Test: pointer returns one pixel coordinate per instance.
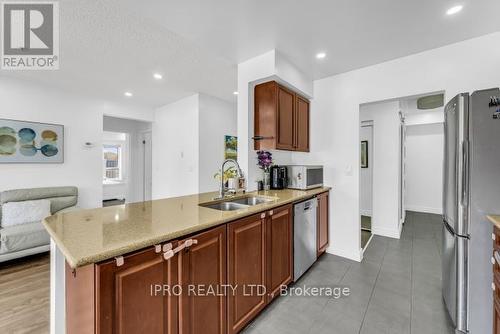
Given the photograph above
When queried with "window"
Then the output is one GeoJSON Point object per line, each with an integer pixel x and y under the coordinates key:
{"type": "Point", "coordinates": [112, 161]}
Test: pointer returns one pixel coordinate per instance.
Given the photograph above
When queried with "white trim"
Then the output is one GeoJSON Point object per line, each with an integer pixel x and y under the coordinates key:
{"type": "Point", "coordinates": [387, 232]}
{"type": "Point", "coordinates": [57, 290]}
{"type": "Point", "coordinates": [418, 208]}
{"type": "Point", "coordinates": [366, 246]}
{"type": "Point", "coordinates": [355, 255]}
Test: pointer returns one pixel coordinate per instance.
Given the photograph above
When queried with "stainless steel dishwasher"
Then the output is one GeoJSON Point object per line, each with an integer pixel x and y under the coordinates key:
{"type": "Point", "coordinates": [304, 236]}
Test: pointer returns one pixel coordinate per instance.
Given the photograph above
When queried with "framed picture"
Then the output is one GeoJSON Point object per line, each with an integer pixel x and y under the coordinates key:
{"type": "Point", "coordinates": [31, 142]}
{"type": "Point", "coordinates": [230, 147]}
{"type": "Point", "coordinates": [364, 154]}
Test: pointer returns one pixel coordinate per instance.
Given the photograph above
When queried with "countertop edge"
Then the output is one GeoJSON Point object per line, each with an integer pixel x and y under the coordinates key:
{"type": "Point", "coordinates": [495, 220]}
{"type": "Point", "coordinates": [95, 258]}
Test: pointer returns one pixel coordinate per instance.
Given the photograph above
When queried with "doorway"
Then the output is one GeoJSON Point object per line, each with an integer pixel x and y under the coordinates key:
{"type": "Point", "coordinates": [366, 181]}
{"type": "Point", "coordinates": [127, 161]}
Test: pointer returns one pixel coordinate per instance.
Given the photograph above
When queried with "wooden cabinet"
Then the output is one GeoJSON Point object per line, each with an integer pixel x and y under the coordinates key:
{"type": "Point", "coordinates": [323, 221]}
{"type": "Point", "coordinates": [281, 118]}
{"type": "Point", "coordinates": [202, 275]}
{"type": "Point", "coordinates": [246, 256]}
{"type": "Point", "coordinates": [253, 255]}
{"type": "Point", "coordinates": [124, 300]}
{"type": "Point", "coordinates": [496, 318]}
{"type": "Point", "coordinates": [302, 124]}
{"type": "Point", "coordinates": [279, 239]}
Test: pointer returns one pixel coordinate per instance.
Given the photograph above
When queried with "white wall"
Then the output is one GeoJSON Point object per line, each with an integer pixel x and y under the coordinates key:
{"type": "Point", "coordinates": [175, 149]}
{"type": "Point", "coordinates": [386, 147]}
{"type": "Point", "coordinates": [188, 144]}
{"type": "Point", "coordinates": [83, 121]}
{"type": "Point", "coordinates": [217, 119]}
{"type": "Point", "coordinates": [134, 168]}
{"type": "Point", "coordinates": [366, 174]}
{"type": "Point", "coordinates": [424, 168]}
{"type": "Point", "coordinates": [456, 68]}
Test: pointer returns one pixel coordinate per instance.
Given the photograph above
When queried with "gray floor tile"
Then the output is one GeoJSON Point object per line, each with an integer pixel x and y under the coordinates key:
{"type": "Point", "coordinates": [395, 290]}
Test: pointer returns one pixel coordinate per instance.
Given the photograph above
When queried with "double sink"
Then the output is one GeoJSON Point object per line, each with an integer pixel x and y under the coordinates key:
{"type": "Point", "coordinates": [237, 203]}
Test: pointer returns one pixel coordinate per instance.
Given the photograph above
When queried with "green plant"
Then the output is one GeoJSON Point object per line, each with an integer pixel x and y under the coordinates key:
{"type": "Point", "coordinates": [228, 174]}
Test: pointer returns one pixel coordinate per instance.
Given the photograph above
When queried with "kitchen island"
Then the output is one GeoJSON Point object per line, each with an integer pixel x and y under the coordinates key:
{"type": "Point", "coordinates": [166, 242]}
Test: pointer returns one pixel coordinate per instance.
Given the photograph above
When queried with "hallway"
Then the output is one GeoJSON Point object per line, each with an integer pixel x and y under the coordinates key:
{"type": "Point", "coordinates": [396, 289]}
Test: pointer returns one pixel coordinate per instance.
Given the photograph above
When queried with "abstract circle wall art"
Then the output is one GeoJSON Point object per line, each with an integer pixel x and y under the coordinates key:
{"type": "Point", "coordinates": [31, 142]}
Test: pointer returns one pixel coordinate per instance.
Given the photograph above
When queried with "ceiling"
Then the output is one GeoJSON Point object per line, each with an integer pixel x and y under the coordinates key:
{"type": "Point", "coordinates": [112, 46]}
{"type": "Point", "coordinates": [353, 33]}
{"type": "Point", "coordinates": [107, 50]}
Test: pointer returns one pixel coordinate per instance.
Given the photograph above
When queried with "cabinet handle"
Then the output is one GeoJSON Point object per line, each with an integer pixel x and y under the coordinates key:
{"type": "Point", "coordinates": [171, 252]}
{"type": "Point", "coordinates": [271, 212]}
{"type": "Point", "coordinates": [262, 215]}
{"type": "Point", "coordinates": [493, 236]}
{"type": "Point", "coordinates": [496, 258]}
{"type": "Point", "coordinates": [492, 260]}
{"type": "Point", "coordinates": [493, 287]}
{"type": "Point", "coordinates": [119, 261]}
{"type": "Point", "coordinates": [261, 138]}
{"type": "Point", "coordinates": [168, 254]}
{"type": "Point", "coordinates": [157, 248]}
{"type": "Point", "coordinates": [167, 247]}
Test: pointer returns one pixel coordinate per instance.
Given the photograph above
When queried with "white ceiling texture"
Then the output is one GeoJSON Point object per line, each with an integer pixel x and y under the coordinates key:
{"type": "Point", "coordinates": [111, 46]}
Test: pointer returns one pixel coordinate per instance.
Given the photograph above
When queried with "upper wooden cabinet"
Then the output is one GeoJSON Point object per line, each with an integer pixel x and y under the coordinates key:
{"type": "Point", "coordinates": [281, 119]}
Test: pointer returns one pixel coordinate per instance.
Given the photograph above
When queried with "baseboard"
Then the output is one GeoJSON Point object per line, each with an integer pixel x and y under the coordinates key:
{"type": "Point", "coordinates": [366, 213]}
{"type": "Point", "coordinates": [354, 255]}
{"type": "Point", "coordinates": [387, 232]}
{"type": "Point", "coordinates": [417, 208]}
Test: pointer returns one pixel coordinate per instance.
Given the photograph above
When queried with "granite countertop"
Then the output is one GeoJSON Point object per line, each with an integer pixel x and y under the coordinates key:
{"type": "Point", "coordinates": [94, 235]}
{"type": "Point", "coordinates": [495, 219]}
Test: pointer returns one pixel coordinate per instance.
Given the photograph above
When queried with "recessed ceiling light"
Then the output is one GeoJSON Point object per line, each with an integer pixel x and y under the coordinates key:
{"type": "Point", "coordinates": [128, 94]}
{"type": "Point", "coordinates": [157, 76]}
{"type": "Point", "coordinates": [455, 9]}
{"type": "Point", "coordinates": [321, 55]}
{"type": "Point", "coordinates": [235, 93]}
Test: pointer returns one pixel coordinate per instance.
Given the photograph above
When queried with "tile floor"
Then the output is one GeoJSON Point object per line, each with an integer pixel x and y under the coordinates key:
{"type": "Point", "coordinates": [395, 290]}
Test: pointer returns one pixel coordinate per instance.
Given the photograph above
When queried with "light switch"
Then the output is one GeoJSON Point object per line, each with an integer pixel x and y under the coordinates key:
{"type": "Point", "coordinates": [348, 170]}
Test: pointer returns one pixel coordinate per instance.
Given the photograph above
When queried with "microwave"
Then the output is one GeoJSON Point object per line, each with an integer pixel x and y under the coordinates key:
{"type": "Point", "coordinates": [305, 177]}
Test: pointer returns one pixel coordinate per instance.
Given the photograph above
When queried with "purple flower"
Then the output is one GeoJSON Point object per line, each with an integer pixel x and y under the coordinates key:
{"type": "Point", "coordinates": [264, 159]}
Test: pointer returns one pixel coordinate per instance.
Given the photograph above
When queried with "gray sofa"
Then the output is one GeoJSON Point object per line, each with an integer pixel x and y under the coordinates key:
{"type": "Point", "coordinates": [27, 239]}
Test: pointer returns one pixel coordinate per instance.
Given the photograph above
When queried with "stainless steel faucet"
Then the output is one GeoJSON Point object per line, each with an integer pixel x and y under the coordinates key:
{"type": "Point", "coordinates": [222, 190]}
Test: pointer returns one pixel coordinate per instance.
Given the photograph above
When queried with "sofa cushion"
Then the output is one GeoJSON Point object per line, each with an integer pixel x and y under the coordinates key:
{"type": "Point", "coordinates": [25, 212]}
{"type": "Point", "coordinates": [16, 238]}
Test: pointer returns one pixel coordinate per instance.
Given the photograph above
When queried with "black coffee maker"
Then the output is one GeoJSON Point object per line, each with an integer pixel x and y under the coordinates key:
{"type": "Point", "coordinates": [279, 177]}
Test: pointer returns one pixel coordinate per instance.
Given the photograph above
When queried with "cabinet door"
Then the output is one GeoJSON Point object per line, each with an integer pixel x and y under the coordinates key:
{"type": "Point", "coordinates": [246, 270]}
{"type": "Point", "coordinates": [323, 217]}
{"type": "Point", "coordinates": [496, 315]}
{"type": "Point", "coordinates": [286, 120]}
{"type": "Point", "coordinates": [279, 249]}
{"type": "Point", "coordinates": [302, 125]}
{"type": "Point", "coordinates": [202, 276]}
{"type": "Point", "coordinates": [265, 116]}
{"type": "Point", "coordinates": [125, 303]}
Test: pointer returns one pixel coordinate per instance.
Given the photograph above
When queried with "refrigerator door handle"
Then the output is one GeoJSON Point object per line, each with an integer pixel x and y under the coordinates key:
{"type": "Point", "coordinates": [465, 173]}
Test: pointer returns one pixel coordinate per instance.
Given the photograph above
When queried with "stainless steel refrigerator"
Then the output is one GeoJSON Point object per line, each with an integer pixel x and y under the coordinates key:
{"type": "Point", "coordinates": [471, 191]}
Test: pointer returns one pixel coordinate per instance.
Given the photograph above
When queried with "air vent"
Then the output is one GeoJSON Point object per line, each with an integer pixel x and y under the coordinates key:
{"type": "Point", "coordinates": [430, 102]}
